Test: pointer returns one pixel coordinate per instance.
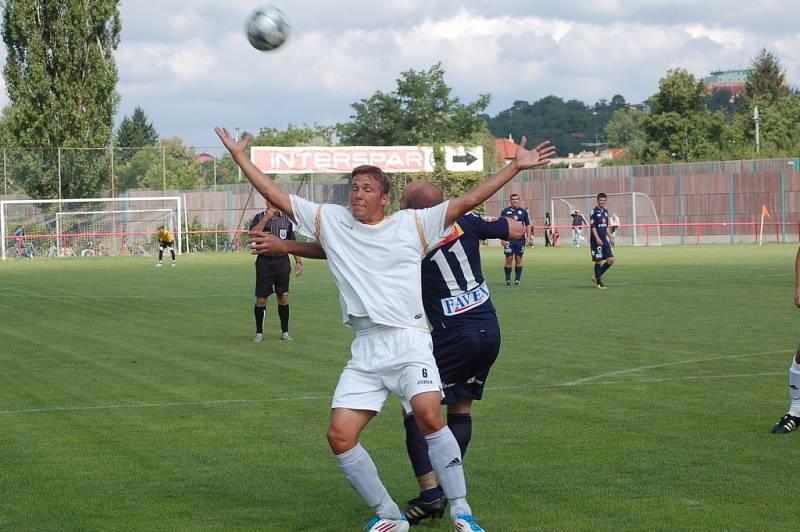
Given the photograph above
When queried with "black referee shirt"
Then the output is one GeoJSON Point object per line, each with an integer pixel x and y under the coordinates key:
{"type": "Point", "coordinates": [280, 226]}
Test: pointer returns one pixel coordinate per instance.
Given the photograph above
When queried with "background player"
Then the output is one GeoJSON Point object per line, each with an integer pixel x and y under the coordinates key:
{"type": "Point", "coordinates": [273, 271]}
{"type": "Point", "coordinates": [598, 240]}
{"type": "Point", "coordinates": [466, 336]}
{"type": "Point", "coordinates": [165, 241]}
{"type": "Point", "coordinates": [516, 248]}
{"type": "Point", "coordinates": [791, 420]}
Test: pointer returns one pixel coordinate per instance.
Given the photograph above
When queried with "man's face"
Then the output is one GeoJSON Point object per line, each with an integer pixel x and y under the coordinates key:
{"type": "Point", "coordinates": [366, 200]}
{"type": "Point", "coordinates": [601, 202]}
{"type": "Point", "coordinates": [515, 201]}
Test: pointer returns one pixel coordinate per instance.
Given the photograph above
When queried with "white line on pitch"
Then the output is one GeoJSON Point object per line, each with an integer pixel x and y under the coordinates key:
{"type": "Point", "coordinates": [667, 364]}
{"type": "Point", "coordinates": [159, 405]}
{"type": "Point", "coordinates": [58, 409]}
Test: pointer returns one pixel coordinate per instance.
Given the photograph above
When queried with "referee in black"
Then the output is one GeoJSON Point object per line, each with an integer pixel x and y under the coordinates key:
{"type": "Point", "coordinates": [273, 270]}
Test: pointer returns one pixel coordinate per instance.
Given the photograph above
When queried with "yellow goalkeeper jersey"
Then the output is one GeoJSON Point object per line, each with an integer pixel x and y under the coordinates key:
{"type": "Point", "coordinates": [164, 235]}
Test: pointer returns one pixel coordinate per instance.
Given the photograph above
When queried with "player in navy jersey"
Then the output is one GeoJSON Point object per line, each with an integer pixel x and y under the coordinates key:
{"type": "Point", "coordinates": [465, 331]}
{"type": "Point", "coordinates": [516, 248]}
{"type": "Point", "coordinates": [598, 240]}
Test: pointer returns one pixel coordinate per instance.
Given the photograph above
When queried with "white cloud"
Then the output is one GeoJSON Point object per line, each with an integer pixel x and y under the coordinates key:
{"type": "Point", "coordinates": [189, 66]}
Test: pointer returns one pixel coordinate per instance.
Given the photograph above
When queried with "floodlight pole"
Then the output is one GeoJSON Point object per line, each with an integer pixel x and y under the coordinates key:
{"type": "Point", "coordinates": [238, 170]}
{"type": "Point", "coordinates": [757, 120]}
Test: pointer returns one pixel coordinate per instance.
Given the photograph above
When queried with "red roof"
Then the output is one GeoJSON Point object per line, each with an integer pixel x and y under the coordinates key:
{"type": "Point", "coordinates": [505, 148]}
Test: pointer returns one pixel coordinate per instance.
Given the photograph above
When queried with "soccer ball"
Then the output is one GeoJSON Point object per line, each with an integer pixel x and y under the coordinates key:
{"type": "Point", "coordinates": [267, 28]}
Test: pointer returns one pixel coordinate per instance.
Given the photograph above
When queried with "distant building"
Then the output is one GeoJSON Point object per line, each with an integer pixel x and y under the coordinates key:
{"type": "Point", "coordinates": [732, 80]}
{"type": "Point", "coordinates": [588, 159]}
{"type": "Point", "coordinates": [204, 158]}
{"type": "Point", "coordinates": [505, 148]}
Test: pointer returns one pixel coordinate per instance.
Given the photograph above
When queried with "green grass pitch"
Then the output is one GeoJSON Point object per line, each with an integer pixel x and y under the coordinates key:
{"type": "Point", "coordinates": [133, 398]}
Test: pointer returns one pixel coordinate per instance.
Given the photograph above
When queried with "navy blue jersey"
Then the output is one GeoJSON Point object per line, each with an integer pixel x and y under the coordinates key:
{"type": "Point", "coordinates": [599, 220]}
{"type": "Point", "coordinates": [454, 292]}
{"type": "Point", "coordinates": [519, 214]}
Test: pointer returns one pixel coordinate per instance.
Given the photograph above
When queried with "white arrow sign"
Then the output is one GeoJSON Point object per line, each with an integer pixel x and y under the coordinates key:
{"type": "Point", "coordinates": [463, 158]}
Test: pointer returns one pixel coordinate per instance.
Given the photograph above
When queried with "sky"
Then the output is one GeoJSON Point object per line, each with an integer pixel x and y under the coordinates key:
{"type": "Point", "coordinates": [188, 64]}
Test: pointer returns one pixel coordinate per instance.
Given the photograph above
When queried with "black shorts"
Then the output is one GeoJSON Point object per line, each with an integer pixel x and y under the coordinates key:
{"type": "Point", "coordinates": [163, 244]}
{"type": "Point", "coordinates": [272, 276]}
{"type": "Point", "coordinates": [514, 247]}
{"type": "Point", "coordinates": [464, 357]}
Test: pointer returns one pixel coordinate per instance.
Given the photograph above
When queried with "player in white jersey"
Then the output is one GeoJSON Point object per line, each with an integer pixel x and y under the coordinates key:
{"type": "Point", "coordinates": [381, 300]}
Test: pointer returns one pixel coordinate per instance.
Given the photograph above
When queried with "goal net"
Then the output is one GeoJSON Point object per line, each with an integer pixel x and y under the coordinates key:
{"type": "Point", "coordinates": [86, 227]}
{"type": "Point", "coordinates": [636, 211]}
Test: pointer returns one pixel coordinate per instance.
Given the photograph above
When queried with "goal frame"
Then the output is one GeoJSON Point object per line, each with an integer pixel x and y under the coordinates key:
{"type": "Point", "coordinates": [6, 203]}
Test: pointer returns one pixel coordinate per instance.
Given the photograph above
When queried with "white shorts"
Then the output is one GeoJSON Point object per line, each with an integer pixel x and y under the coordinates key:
{"type": "Point", "coordinates": [387, 360]}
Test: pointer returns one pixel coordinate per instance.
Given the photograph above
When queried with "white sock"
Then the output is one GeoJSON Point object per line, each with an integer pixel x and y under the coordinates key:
{"type": "Point", "coordinates": [445, 458]}
{"type": "Point", "coordinates": [360, 470]}
{"type": "Point", "coordinates": [794, 388]}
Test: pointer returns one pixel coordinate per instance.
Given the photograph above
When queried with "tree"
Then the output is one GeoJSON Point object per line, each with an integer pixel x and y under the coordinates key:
{"type": "Point", "coordinates": [766, 80]}
{"type": "Point", "coordinates": [306, 135]}
{"type": "Point", "coordinates": [61, 76]}
{"type": "Point", "coordinates": [147, 167]}
{"type": "Point", "coordinates": [134, 132]}
{"type": "Point", "coordinates": [419, 111]}
{"type": "Point", "coordinates": [681, 126]}
{"type": "Point", "coordinates": [626, 129]}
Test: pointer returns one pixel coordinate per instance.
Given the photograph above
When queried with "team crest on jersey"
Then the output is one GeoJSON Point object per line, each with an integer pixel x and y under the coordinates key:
{"type": "Point", "coordinates": [283, 233]}
{"type": "Point", "coordinates": [452, 306]}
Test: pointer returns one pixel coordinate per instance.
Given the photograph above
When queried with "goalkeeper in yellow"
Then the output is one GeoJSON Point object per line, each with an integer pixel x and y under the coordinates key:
{"type": "Point", "coordinates": [165, 240]}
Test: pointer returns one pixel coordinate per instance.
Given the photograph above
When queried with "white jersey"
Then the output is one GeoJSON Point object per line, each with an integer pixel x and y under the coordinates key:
{"type": "Point", "coordinates": [376, 267]}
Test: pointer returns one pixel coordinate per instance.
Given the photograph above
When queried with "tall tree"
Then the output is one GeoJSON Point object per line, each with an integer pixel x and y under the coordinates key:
{"type": "Point", "coordinates": [420, 110]}
{"type": "Point", "coordinates": [766, 81]}
{"type": "Point", "coordinates": [61, 77]}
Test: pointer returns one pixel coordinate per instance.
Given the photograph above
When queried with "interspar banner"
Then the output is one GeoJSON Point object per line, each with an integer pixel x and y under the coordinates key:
{"type": "Point", "coordinates": [341, 160]}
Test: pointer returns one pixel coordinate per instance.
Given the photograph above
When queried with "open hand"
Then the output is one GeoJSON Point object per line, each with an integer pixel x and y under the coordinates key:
{"type": "Point", "coordinates": [538, 156]}
{"type": "Point", "coordinates": [234, 146]}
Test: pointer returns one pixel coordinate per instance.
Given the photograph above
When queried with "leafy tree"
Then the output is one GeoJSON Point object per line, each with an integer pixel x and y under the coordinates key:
{"type": "Point", "coordinates": [681, 126]}
{"type": "Point", "coordinates": [60, 76]}
{"type": "Point", "coordinates": [766, 81]}
{"type": "Point", "coordinates": [419, 111]}
{"type": "Point", "coordinates": [306, 135]}
{"type": "Point", "coordinates": [147, 166]}
{"type": "Point", "coordinates": [626, 129]}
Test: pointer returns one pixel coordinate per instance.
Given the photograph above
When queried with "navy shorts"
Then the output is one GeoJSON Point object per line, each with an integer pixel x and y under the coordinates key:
{"type": "Point", "coordinates": [464, 357]}
{"type": "Point", "coordinates": [601, 252]}
{"type": "Point", "coordinates": [163, 244]}
{"type": "Point", "coordinates": [514, 247]}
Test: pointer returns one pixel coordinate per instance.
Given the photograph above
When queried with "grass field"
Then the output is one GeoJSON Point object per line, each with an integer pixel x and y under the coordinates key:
{"type": "Point", "coordinates": [133, 398]}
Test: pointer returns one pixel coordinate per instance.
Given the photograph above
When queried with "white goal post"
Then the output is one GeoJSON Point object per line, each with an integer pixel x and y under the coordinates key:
{"type": "Point", "coordinates": [103, 226]}
{"type": "Point", "coordinates": [639, 223]}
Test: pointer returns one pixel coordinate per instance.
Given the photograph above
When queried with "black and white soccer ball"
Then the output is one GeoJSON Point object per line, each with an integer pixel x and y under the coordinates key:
{"type": "Point", "coordinates": [267, 28]}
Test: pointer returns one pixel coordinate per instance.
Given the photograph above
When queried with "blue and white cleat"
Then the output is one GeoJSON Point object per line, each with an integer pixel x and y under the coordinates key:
{"type": "Point", "coordinates": [381, 524]}
{"type": "Point", "coordinates": [467, 523]}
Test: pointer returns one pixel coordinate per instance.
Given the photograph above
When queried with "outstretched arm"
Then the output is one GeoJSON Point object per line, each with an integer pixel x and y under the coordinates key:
{"type": "Point", "coordinates": [266, 186]}
{"type": "Point", "coordinates": [264, 243]}
{"type": "Point", "coordinates": [523, 160]}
